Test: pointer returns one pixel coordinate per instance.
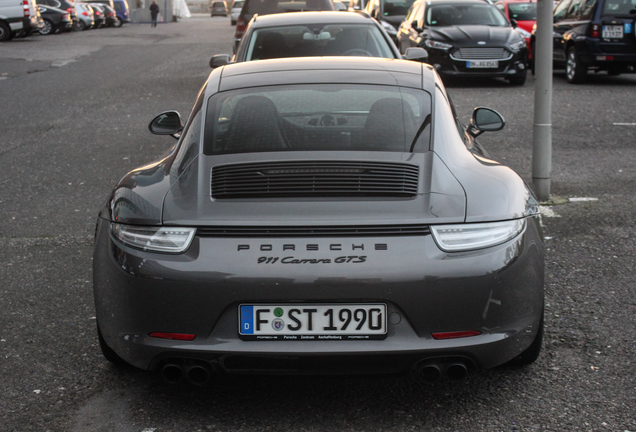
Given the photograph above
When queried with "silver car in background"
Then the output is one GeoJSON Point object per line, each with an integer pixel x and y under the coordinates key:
{"type": "Point", "coordinates": [84, 15]}
{"type": "Point", "coordinates": [236, 10]}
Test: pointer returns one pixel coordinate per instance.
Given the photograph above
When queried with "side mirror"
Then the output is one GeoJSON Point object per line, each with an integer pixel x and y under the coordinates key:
{"type": "Point", "coordinates": [340, 7]}
{"type": "Point", "coordinates": [514, 23]}
{"type": "Point", "coordinates": [219, 60]}
{"type": "Point", "coordinates": [167, 123]}
{"type": "Point", "coordinates": [485, 120]}
{"type": "Point", "coordinates": [415, 27]}
{"type": "Point", "coordinates": [416, 54]}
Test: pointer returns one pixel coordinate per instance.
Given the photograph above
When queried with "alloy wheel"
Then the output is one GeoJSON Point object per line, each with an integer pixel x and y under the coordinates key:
{"type": "Point", "coordinates": [47, 29]}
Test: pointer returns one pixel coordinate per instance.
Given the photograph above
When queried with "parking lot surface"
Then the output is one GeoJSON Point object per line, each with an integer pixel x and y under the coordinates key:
{"type": "Point", "coordinates": [74, 115]}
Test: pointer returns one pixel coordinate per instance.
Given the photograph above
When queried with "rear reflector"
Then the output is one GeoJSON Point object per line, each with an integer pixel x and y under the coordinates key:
{"type": "Point", "coordinates": [174, 336]}
{"type": "Point", "coordinates": [455, 335]}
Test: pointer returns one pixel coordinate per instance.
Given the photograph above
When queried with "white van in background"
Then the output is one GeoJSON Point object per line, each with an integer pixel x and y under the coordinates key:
{"type": "Point", "coordinates": [18, 17]}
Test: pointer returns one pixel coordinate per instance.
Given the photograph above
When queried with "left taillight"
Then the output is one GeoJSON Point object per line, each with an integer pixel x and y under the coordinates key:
{"type": "Point", "coordinates": [154, 239]}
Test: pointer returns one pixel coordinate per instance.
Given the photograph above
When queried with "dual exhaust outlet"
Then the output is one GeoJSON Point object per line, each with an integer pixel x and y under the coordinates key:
{"type": "Point", "coordinates": [432, 371]}
{"type": "Point", "coordinates": [198, 373]}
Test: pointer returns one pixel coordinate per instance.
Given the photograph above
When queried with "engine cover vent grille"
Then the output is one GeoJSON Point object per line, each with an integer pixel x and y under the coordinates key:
{"type": "Point", "coordinates": [315, 179]}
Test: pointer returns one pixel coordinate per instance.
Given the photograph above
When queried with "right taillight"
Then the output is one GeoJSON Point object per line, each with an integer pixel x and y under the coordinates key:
{"type": "Point", "coordinates": [240, 29]}
{"type": "Point", "coordinates": [595, 31]}
{"type": "Point", "coordinates": [27, 12]}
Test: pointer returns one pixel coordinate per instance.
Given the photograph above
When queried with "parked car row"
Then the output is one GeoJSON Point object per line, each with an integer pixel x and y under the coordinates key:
{"type": "Point", "coordinates": [57, 16]}
{"type": "Point", "coordinates": [593, 35]}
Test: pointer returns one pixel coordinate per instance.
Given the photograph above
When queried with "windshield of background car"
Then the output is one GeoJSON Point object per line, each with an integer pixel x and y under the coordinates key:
{"type": "Point", "coordinates": [396, 7]}
{"type": "Point", "coordinates": [318, 40]}
{"type": "Point", "coordinates": [474, 14]}
{"type": "Point", "coordinates": [320, 117]}
{"type": "Point", "coordinates": [523, 11]}
{"type": "Point", "coordinates": [266, 7]}
{"type": "Point", "coordinates": [619, 7]}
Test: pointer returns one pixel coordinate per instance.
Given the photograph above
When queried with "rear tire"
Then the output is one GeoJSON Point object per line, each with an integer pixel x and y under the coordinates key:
{"type": "Point", "coordinates": [575, 71]}
{"type": "Point", "coordinates": [5, 32]}
{"type": "Point", "coordinates": [118, 23]}
{"type": "Point", "coordinates": [107, 351]}
{"type": "Point", "coordinates": [47, 29]}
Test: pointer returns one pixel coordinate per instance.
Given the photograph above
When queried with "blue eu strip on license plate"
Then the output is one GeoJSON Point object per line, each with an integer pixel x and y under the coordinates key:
{"type": "Point", "coordinates": [247, 320]}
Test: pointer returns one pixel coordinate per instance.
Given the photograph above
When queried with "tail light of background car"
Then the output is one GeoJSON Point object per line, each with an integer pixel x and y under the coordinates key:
{"type": "Point", "coordinates": [595, 31]}
{"type": "Point", "coordinates": [240, 28]}
{"type": "Point", "coordinates": [27, 12]}
{"type": "Point", "coordinates": [85, 13]}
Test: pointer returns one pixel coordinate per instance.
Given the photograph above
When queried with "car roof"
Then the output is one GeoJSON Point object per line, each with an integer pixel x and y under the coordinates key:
{"type": "Point", "coordinates": [312, 70]}
{"type": "Point", "coordinates": [322, 17]}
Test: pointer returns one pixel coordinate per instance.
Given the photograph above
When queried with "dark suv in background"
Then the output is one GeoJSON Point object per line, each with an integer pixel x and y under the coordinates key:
{"type": "Point", "coordinates": [267, 7]}
{"type": "Point", "coordinates": [594, 35]}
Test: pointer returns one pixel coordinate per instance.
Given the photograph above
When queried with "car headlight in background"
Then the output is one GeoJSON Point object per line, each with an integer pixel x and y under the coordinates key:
{"type": "Point", "coordinates": [516, 46]}
{"type": "Point", "coordinates": [464, 237]}
{"type": "Point", "coordinates": [437, 45]}
{"type": "Point", "coordinates": [523, 32]}
{"type": "Point", "coordinates": [156, 239]}
{"type": "Point", "coordinates": [388, 28]}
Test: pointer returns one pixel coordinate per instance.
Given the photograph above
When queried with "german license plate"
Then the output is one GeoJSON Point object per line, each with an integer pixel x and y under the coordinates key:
{"type": "Point", "coordinates": [612, 32]}
{"type": "Point", "coordinates": [482, 64]}
{"type": "Point", "coordinates": [312, 321]}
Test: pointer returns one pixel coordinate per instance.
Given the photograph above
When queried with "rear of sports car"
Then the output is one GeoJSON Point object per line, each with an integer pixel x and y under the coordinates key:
{"type": "Point", "coordinates": [302, 238]}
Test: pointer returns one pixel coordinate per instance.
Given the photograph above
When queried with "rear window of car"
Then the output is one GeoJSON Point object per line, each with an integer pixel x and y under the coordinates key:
{"type": "Point", "coordinates": [218, 4]}
{"type": "Point", "coordinates": [523, 11]}
{"type": "Point", "coordinates": [449, 15]}
{"type": "Point", "coordinates": [619, 7]}
{"type": "Point", "coordinates": [324, 117]}
{"type": "Point", "coordinates": [397, 7]}
{"type": "Point", "coordinates": [266, 7]}
{"type": "Point", "coordinates": [318, 40]}
{"type": "Point", "coordinates": [238, 4]}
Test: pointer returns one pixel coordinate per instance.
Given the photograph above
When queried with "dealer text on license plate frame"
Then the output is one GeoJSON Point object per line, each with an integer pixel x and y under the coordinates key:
{"type": "Point", "coordinates": [482, 64]}
{"type": "Point", "coordinates": [308, 321]}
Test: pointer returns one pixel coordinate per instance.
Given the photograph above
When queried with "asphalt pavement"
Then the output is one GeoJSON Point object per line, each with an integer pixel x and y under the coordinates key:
{"type": "Point", "coordinates": [74, 110]}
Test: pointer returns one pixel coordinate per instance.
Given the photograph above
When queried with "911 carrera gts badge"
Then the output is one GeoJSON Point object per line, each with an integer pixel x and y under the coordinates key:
{"type": "Point", "coordinates": [351, 259]}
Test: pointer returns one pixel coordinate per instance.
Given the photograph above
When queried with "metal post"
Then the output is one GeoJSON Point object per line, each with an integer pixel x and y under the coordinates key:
{"type": "Point", "coordinates": [542, 132]}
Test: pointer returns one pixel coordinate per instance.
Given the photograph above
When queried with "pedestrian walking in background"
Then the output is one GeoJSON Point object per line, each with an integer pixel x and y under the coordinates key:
{"type": "Point", "coordinates": [154, 11]}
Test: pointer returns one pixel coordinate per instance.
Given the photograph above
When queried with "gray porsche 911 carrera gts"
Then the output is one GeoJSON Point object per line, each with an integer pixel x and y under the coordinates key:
{"type": "Point", "coordinates": [321, 215]}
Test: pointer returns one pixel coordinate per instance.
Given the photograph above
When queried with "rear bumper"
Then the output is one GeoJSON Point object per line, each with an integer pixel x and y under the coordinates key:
{"type": "Point", "coordinates": [498, 291]}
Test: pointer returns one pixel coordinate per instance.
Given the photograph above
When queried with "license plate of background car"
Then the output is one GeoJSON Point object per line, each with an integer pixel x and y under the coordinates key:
{"type": "Point", "coordinates": [613, 32]}
{"type": "Point", "coordinates": [312, 321]}
{"type": "Point", "coordinates": [482, 64]}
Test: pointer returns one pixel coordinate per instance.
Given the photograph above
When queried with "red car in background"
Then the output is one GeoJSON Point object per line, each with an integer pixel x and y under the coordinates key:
{"type": "Point", "coordinates": [524, 12]}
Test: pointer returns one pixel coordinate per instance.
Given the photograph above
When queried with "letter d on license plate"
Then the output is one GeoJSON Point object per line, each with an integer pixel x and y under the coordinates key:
{"type": "Point", "coordinates": [309, 321]}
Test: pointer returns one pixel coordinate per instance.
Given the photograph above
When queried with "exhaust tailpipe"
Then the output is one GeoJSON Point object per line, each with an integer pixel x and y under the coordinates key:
{"type": "Point", "coordinates": [456, 371]}
{"type": "Point", "coordinates": [428, 372]}
{"type": "Point", "coordinates": [172, 373]}
{"type": "Point", "coordinates": [198, 374]}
